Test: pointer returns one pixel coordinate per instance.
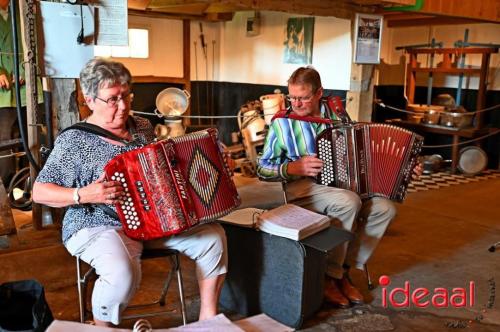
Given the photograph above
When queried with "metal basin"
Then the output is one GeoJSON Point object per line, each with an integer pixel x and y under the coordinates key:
{"type": "Point", "coordinates": [456, 119]}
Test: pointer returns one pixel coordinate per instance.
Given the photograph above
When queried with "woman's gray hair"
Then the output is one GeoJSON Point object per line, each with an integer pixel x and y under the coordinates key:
{"type": "Point", "coordinates": [100, 73]}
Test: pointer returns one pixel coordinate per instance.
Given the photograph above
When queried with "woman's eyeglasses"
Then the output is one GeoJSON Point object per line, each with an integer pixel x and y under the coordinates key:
{"type": "Point", "coordinates": [114, 100]}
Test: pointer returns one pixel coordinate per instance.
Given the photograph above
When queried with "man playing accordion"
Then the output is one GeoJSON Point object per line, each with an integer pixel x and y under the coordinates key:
{"type": "Point", "coordinates": [289, 155]}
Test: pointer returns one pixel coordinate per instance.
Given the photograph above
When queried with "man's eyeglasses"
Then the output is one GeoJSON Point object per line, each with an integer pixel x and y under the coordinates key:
{"type": "Point", "coordinates": [306, 99]}
{"type": "Point", "coordinates": [114, 100]}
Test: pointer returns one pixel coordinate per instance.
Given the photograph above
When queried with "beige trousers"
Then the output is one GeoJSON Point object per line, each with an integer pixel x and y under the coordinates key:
{"type": "Point", "coordinates": [368, 220]}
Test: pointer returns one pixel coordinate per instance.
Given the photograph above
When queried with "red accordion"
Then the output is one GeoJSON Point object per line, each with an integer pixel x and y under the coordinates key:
{"type": "Point", "coordinates": [368, 158]}
{"type": "Point", "coordinates": [173, 185]}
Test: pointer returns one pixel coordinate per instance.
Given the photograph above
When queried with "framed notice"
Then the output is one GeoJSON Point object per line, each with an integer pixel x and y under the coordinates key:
{"type": "Point", "coordinates": [367, 38]}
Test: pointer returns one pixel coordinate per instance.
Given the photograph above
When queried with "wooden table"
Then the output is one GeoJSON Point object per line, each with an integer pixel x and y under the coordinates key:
{"type": "Point", "coordinates": [456, 134]}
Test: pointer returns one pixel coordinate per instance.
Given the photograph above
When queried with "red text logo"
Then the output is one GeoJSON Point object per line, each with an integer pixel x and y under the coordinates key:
{"type": "Point", "coordinates": [421, 297]}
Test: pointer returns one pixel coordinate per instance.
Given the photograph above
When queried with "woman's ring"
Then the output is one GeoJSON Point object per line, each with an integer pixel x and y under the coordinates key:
{"type": "Point", "coordinates": [110, 196]}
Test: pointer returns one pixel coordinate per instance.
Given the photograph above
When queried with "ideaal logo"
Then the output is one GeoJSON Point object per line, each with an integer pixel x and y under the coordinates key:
{"type": "Point", "coordinates": [422, 297]}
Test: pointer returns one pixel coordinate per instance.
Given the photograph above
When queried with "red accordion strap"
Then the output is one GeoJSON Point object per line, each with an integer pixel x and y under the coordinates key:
{"type": "Point", "coordinates": [287, 115]}
{"type": "Point", "coordinates": [335, 105]}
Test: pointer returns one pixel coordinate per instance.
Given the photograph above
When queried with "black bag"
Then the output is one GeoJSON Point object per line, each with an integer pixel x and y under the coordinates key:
{"type": "Point", "coordinates": [23, 307]}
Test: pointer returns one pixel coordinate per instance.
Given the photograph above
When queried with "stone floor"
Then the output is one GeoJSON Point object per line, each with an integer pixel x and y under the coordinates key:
{"type": "Point", "coordinates": [440, 239]}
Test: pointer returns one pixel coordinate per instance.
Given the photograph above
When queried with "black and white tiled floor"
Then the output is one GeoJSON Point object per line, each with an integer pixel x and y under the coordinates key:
{"type": "Point", "coordinates": [443, 180]}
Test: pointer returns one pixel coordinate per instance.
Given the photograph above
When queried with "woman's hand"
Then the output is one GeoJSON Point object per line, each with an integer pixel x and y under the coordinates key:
{"type": "Point", "coordinates": [101, 191]}
{"type": "Point", "coordinates": [305, 166]}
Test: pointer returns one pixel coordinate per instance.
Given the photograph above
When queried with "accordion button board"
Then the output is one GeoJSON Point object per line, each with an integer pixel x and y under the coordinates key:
{"type": "Point", "coordinates": [368, 158]}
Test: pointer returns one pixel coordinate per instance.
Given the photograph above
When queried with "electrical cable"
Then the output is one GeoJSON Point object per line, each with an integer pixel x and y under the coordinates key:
{"type": "Point", "coordinates": [81, 35]}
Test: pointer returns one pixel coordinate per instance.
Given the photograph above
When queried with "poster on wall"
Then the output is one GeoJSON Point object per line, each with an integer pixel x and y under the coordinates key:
{"type": "Point", "coordinates": [367, 38]}
{"type": "Point", "coordinates": [298, 42]}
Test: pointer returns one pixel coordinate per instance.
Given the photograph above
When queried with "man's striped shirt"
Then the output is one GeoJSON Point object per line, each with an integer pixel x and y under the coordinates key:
{"type": "Point", "coordinates": [287, 140]}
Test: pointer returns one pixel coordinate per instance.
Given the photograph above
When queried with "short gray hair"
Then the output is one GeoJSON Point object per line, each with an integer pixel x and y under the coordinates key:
{"type": "Point", "coordinates": [100, 73]}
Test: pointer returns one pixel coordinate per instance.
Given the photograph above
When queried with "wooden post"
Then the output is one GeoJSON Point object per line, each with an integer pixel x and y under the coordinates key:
{"type": "Point", "coordinates": [186, 61]}
{"type": "Point", "coordinates": [64, 102]}
{"type": "Point", "coordinates": [359, 103]}
{"type": "Point", "coordinates": [481, 91]}
{"type": "Point", "coordinates": [411, 78]}
{"type": "Point", "coordinates": [31, 106]}
{"type": "Point", "coordinates": [359, 100]}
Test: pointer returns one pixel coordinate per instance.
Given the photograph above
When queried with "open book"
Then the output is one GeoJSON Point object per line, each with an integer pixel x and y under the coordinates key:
{"type": "Point", "coordinates": [292, 221]}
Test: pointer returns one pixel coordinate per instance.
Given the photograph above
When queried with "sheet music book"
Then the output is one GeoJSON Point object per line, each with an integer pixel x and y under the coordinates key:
{"type": "Point", "coordinates": [292, 221]}
{"type": "Point", "coordinates": [246, 217]}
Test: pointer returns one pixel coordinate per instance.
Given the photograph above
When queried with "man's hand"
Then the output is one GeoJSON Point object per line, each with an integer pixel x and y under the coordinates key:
{"type": "Point", "coordinates": [417, 171]}
{"type": "Point", "coordinates": [4, 82]}
{"type": "Point", "coordinates": [305, 166]}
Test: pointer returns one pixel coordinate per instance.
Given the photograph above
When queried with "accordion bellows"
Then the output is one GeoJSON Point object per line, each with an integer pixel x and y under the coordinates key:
{"type": "Point", "coordinates": [368, 158]}
{"type": "Point", "coordinates": [173, 185]}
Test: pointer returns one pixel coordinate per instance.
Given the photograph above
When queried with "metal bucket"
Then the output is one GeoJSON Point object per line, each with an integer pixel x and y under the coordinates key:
{"type": "Point", "coordinates": [472, 160]}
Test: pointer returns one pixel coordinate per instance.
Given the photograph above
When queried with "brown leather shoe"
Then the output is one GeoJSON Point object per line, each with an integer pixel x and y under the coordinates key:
{"type": "Point", "coordinates": [334, 295]}
{"type": "Point", "coordinates": [351, 292]}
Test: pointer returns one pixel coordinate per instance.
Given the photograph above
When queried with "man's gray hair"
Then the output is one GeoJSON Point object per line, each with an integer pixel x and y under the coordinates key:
{"type": "Point", "coordinates": [306, 76]}
{"type": "Point", "coordinates": [100, 73]}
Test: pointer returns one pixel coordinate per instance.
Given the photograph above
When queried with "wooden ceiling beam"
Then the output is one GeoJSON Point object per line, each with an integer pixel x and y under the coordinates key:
{"type": "Point", "coordinates": [138, 4]}
{"type": "Point", "coordinates": [212, 17]}
{"type": "Point", "coordinates": [483, 10]}
{"type": "Point", "coordinates": [427, 20]}
{"type": "Point", "coordinates": [333, 8]}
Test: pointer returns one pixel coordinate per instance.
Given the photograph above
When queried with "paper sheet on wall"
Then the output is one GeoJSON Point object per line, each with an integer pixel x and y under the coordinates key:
{"type": "Point", "coordinates": [112, 23]}
{"type": "Point", "coordinates": [63, 56]}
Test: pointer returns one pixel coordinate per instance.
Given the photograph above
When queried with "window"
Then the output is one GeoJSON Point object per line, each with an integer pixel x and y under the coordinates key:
{"type": "Point", "coordinates": [138, 46]}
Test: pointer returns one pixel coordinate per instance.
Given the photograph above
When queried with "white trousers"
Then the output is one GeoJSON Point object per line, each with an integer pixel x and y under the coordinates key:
{"type": "Point", "coordinates": [116, 259]}
{"type": "Point", "coordinates": [368, 220]}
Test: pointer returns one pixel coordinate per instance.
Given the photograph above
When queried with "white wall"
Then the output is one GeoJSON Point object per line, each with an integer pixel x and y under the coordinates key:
{"type": "Point", "coordinates": [205, 67]}
{"type": "Point", "coordinates": [259, 59]}
{"type": "Point", "coordinates": [234, 57]}
{"type": "Point", "coordinates": [165, 48]}
{"type": "Point", "coordinates": [448, 34]}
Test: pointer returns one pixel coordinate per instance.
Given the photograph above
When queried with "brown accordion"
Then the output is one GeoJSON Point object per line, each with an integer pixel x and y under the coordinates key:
{"type": "Point", "coordinates": [173, 185]}
{"type": "Point", "coordinates": [368, 158]}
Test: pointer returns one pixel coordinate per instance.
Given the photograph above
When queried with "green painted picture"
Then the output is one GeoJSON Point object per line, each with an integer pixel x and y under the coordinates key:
{"type": "Point", "coordinates": [298, 42]}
